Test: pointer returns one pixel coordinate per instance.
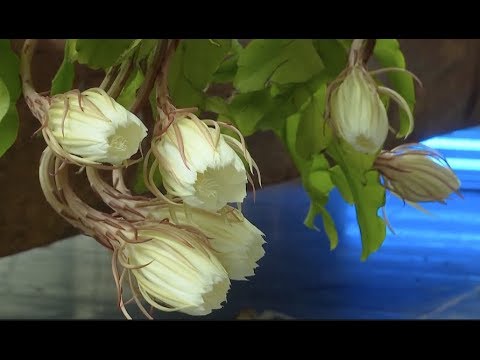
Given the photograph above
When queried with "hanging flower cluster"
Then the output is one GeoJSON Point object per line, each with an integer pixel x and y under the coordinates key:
{"type": "Point", "coordinates": [177, 250]}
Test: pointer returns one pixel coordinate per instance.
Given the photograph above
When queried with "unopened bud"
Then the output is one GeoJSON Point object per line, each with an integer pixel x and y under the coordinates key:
{"type": "Point", "coordinates": [357, 112]}
{"type": "Point", "coordinates": [417, 173]}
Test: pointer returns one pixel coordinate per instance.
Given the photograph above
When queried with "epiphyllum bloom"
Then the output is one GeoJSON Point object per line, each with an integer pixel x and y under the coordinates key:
{"type": "Point", "coordinates": [236, 242]}
{"type": "Point", "coordinates": [176, 271]}
{"type": "Point", "coordinates": [200, 165]}
{"type": "Point", "coordinates": [91, 128]}
{"type": "Point", "coordinates": [417, 173]}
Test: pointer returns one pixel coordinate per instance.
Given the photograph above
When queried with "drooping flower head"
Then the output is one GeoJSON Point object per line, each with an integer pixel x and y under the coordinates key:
{"type": "Point", "coordinates": [172, 268]}
{"type": "Point", "coordinates": [175, 270]}
{"type": "Point", "coordinates": [90, 128]}
{"type": "Point", "coordinates": [236, 242]}
{"type": "Point", "coordinates": [354, 107]}
{"type": "Point", "coordinates": [357, 112]}
{"type": "Point", "coordinates": [201, 165]}
{"type": "Point", "coordinates": [417, 173]}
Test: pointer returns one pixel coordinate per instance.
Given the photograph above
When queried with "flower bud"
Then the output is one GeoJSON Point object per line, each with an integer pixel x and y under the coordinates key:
{"type": "Point", "coordinates": [176, 271]}
{"type": "Point", "coordinates": [417, 173]}
{"type": "Point", "coordinates": [91, 127]}
{"type": "Point", "coordinates": [200, 165]}
{"type": "Point", "coordinates": [357, 112]}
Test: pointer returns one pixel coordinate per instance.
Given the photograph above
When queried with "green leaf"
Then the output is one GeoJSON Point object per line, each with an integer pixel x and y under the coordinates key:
{"type": "Point", "coordinates": [388, 54]}
{"type": "Point", "coordinates": [311, 215]}
{"type": "Point", "coordinates": [216, 104]}
{"type": "Point", "coordinates": [192, 67]}
{"type": "Point", "coordinates": [276, 115]}
{"type": "Point", "coordinates": [367, 192]}
{"type": "Point", "coordinates": [101, 53]}
{"type": "Point", "coordinates": [319, 162]}
{"type": "Point", "coordinates": [279, 61]}
{"type": "Point", "coordinates": [4, 100]}
{"type": "Point", "coordinates": [228, 68]}
{"type": "Point", "coordinates": [287, 100]}
{"type": "Point", "coordinates": [186, 95]}
{"type": "Point", "coordinates": [369, 197]}
{"type": "Point", "coordinates": [8, 129]}
{"type": "Point", "coordinates": [290, 140]}
{"type": "Point", "coordinates": [313, 134]}
{"type": "Point", "coordinates": [227, 71]}
{"type": "Point", "coordinates": [71, 46]}
{"type": "Point", "coordinates": [63, 80]}
{"type": "Point", "coordinates": [316, 179]}
{"type": "Point", "coordinates": [247, 109]}
{"type": "Point", "coordinates": [129, 92]}
{"type": "Point", "coordinates": [340, 181]}
{"type": "Point", "coordinates": [147, 47]}
{"type": "Point", "coordinates": [9, 70]}
{"type": "Point", "coordinates": [132, 48]}
{"type": "Point", "coordinates": [330, 229]}
{"type": "Point", "coordinates": [318, 184]}
{"type": "Point", "coordinates": [346, 43]}
{"type": "Point", "coordinates": [333, 54]}
{"type": "Point", "coordinates": [292, 104]}
{"type": "Point", "coordinates": [328, 223]}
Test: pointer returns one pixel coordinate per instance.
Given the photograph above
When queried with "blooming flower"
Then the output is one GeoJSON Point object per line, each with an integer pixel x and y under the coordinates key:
{"type": "Point", "coordinates": [201, 165]}
{"type": "Point", "coordinates": [176, 271]}
{"type": "Point", "coordinates": [91, 127]}
{"type": "Point", "coordinates": [417, 173]}
{"type": "Point", "coordinates": [236, 242]}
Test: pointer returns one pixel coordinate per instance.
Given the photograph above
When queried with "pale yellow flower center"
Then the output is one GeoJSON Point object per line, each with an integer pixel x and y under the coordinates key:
{"type": "Point", "coordinates": [118, 142]}
{"type": "Point", "coordinates": [216, 187]}
{"type": "Point", "coordinates": [206, 184]}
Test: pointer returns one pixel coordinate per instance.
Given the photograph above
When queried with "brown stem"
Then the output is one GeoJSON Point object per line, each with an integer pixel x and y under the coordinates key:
{"type": "Point", "coordinates": [101, 223]}
{"type": "Point", "coordinates": [368, 49]}
{"type": "Point", "coordinates": [118, 181]}
{"type": "Point", "coordinates": [150, 76]}
{"type": "Point", "coordinates": [54, 195]}
{"type": "Point", "coordinates": [162, 95]}
{"type": "Point", "coordinates": [361, 51]}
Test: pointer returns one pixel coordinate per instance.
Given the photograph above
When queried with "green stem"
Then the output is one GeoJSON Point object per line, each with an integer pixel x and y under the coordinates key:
{"type": "Point", "coordinates": [121, 79]}
{"type": "Point", "coordinates": [109, 78]}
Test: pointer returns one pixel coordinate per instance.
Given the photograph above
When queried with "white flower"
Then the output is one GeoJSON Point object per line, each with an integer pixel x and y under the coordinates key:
{"type": "Point", "coordinates": [357, 112]}
{"type": "Point", "coordinates": [200, 165]}
{"type": "Point", "coordinates": [94, 128]}
{"type": "Point", "coordinates": [236, 242]}
{"type": "Point", "coordinates": [180, 273]}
